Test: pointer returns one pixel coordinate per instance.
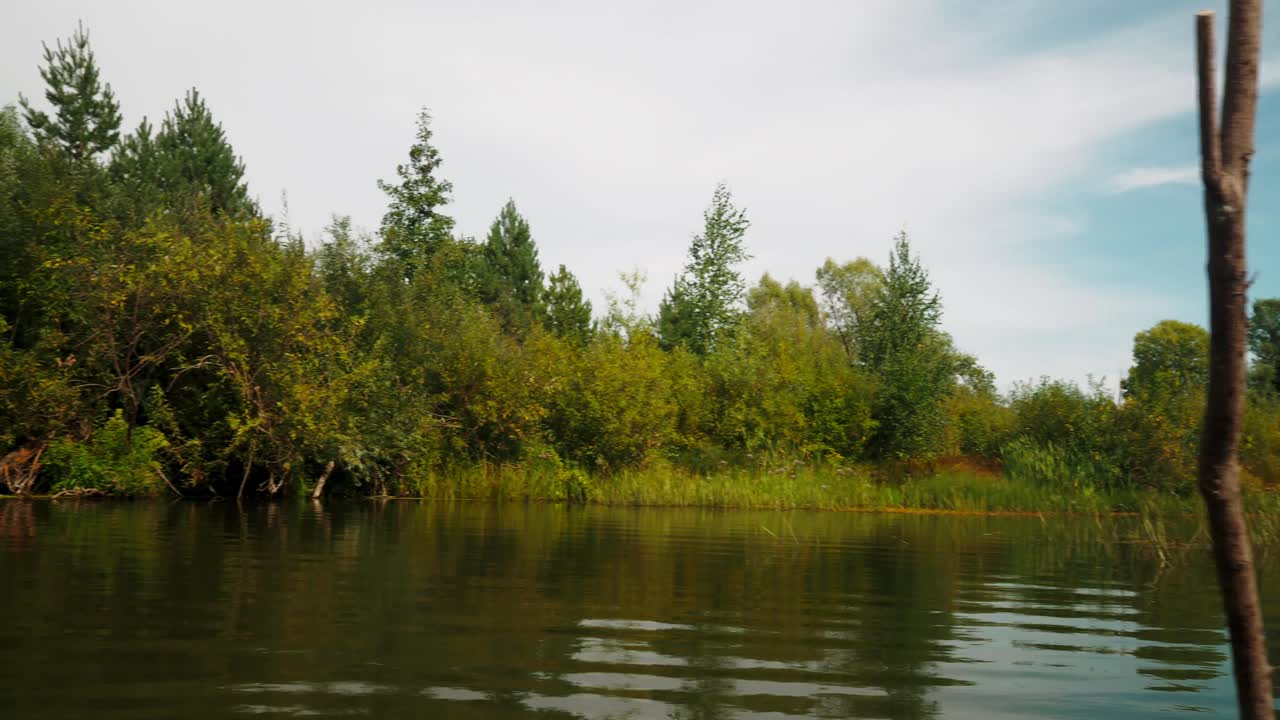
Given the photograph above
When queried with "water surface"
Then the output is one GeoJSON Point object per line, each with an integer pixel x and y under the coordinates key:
{"type": "Point", "coordinates": [406, 609]}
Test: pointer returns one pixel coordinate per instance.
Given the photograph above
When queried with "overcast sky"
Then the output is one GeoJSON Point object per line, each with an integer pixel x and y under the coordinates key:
{"type": "Point", "coordinates": [1040, 154]}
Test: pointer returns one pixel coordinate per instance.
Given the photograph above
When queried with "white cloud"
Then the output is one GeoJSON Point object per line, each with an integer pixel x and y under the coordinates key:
{"type": "Point", "coordinates": [835, 123]}
{"type": "Point", "coordinates": [1147, 177]}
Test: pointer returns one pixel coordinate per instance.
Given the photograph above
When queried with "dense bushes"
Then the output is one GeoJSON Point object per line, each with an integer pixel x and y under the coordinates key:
{"type": "Point", "coordinates": [116, 459]}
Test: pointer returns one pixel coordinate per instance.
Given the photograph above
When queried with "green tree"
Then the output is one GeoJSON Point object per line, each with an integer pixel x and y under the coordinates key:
{"type": "Point", "coordinates": [1164, 403]}
{"type": "Point", "coordinates": [196, 159]}
{"type": "Point", "coordinates": [17, 155]}
{"type": "Point", "coordinates": [344, 264]}
{"type": "Point", "coordinates": [676, 323]}
{"type": "Point", "coordinates": [511, 278]}
{"type": "Point", "coordinates": [701, 308]}
{"type": "Point", "coordinates": [916, 363]}
{"type": "Point", "coordinates": [847, 292]}
{"type": "Point", "coordinates": [568, 312]}
{"type": "Point", "coordinates": [415, 226]}
{"type": "Point", "coordinates": [617, 406]}
{"type": "Point", "coordinates": [189, 160]}
{"type": "Point", "coordinates": [86, 116]}
{"type": "Point", "coordinates": [783, 383]}
{"type": "Point", "coordinates": [1264, 342]}
{"type": "Point", "coordinates": [1171, 357]}
{"type": "Point", "coordinates": [136, 169]}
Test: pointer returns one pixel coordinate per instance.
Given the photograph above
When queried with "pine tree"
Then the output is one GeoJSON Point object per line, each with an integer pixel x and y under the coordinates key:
{"type": "Point", "coordinates": [188, 158]}
{"type": "Point", "coordinates": [136, 168]}
{"type": "Point", "coordinates": [702, 306]}
{"type": "Point", "coordinates": [195, 157]}
{"type": "Point", "coordinates": [568, 313]}
{"type": "Point", "coordinates": [511, 280]}
{"type": "Point", "coordinates": [414, 226]}
{"type": "Point", "coordinates": [86, 119]}
{"type": "Point", "coordinates": [675, 322]}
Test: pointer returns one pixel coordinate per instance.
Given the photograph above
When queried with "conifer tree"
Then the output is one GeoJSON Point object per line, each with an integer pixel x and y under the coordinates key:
{"type": "Point", "coordinates": [675, 322]}
{"type": "Point", "coordinates": [86, 116]}
{"type": "Point", "coordinates": [188, 157]}
{"type": "Point", "coordinates": [135, 166]}
{"type": "Point", "coordinates": [568, 313]}
{"type": "Point", "coordinates": [511, 279]}
{"type": "Point", "coordinates": [195, 157]}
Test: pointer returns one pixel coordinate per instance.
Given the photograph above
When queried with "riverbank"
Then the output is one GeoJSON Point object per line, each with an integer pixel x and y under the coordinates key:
{"type": "Point", "coordinates": [962, 491]}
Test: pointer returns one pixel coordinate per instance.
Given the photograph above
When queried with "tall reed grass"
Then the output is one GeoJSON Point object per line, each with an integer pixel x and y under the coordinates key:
{"type": "Point", "coordinates": [1031, 485]}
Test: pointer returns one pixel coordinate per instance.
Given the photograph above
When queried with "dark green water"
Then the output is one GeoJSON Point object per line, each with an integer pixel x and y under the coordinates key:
{"type": "Point", "coordinates": [408, 610]}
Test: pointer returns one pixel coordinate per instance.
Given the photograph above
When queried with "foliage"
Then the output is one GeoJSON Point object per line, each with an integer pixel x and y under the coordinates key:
{"type": "Point", "coordinates": [900, 343]}
{"type": "Point", "coordinates": [86, 116]}
{"type": "Point", "coordinates": [568, 313]}
{"type": "Point", "coordinates": [116, 459]}
{"type": "Point", "coordinates": [1051, 465]}
{"type": "Point", "coordinates": [978, 424]}
{"type": "Point", "coordinates": [847, 294]}
{"type": "Point", "coordinates": [1260, 441]}
{"type": "Point", "coordinates": [784, 384]}
{"type": "Point", "coordinates": [189, 159]}
{"type": "Point", "coordinates": [511, 278]}
{"type": "Point", "coordinates": [700, 309]}
{"type": "Point", "coordinates": [616, 407]}
{"type": "Point", "coordinates": [623, 318]}
{"type": "Point", "coordinates": [152, 321]}
{"type": "Point", "coordinates": [1172, 356]}
{"type": "Point", "coordinates": [1264, 341]}
{"type": "Point", "coordinates": [415, 225]}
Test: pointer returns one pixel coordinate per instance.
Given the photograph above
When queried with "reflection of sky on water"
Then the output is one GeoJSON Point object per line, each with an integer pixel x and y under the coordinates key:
{"type": "Point", "coordinates": [1076, 659]}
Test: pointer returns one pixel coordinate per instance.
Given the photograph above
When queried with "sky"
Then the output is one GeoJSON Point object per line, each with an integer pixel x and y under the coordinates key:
{"type": "Point", "coordinates": [1041, 155]}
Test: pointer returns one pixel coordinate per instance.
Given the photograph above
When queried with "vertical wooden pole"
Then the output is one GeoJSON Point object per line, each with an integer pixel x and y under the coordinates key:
{"type": "Point", "coordinates": [1224, 156]}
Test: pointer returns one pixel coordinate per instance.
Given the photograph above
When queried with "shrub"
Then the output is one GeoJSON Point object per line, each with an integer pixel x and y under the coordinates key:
{"type": "Point", "coordinates": [111, 460]}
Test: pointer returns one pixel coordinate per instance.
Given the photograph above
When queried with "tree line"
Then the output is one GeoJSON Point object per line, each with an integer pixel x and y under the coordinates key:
{"type": "Point", "coordinates": [162, 333]}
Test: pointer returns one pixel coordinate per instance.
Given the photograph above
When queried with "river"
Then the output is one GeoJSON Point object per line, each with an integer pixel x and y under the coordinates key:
{"type": "Point", "coordinates": [414, 609]}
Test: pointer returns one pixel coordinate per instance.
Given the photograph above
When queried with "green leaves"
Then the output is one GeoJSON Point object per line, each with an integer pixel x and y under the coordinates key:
{"type": "Point", "coordinates": [900, 342]}
{"type": "Point", "coordinates": [701, 308]}
{"type": "Point", "coordinates": [1264, 342]}
{"type": "Point", "coordinates": [86, 116]}
{"type": "Point", "coordinates": [1171, 358]}
{"type": "Point", "coordinates": [510, 278]}
{"type": "Point", "coordinates": [149, 319]}
{"type": "Point", "coordinates": [783, 384]}
{"type": "Point", "coordinates": [568, 313]}
{"type": "Point", "coordinates": [116, 458]}
{"type": "Point", "coordinates": [187, 162]}
{"type": "Point", "coordinates": [847, 293]}
{"type": "Point", "coordinates": [415, 225]}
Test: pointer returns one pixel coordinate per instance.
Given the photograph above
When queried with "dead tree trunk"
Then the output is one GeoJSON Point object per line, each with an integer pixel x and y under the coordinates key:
{"type": "Point", "coordinates": [324, 477]}
{"type": "Point", "coordinates": [19, 469]}
{"type": "Point", "coordinates": [1225, 154]}
{"type": "Point", "coordinates": [248, 465]}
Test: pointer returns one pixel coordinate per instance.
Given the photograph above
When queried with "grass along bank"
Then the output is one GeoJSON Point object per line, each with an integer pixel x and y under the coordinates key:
{"type": "Point", "coordinates": [959, 490]}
